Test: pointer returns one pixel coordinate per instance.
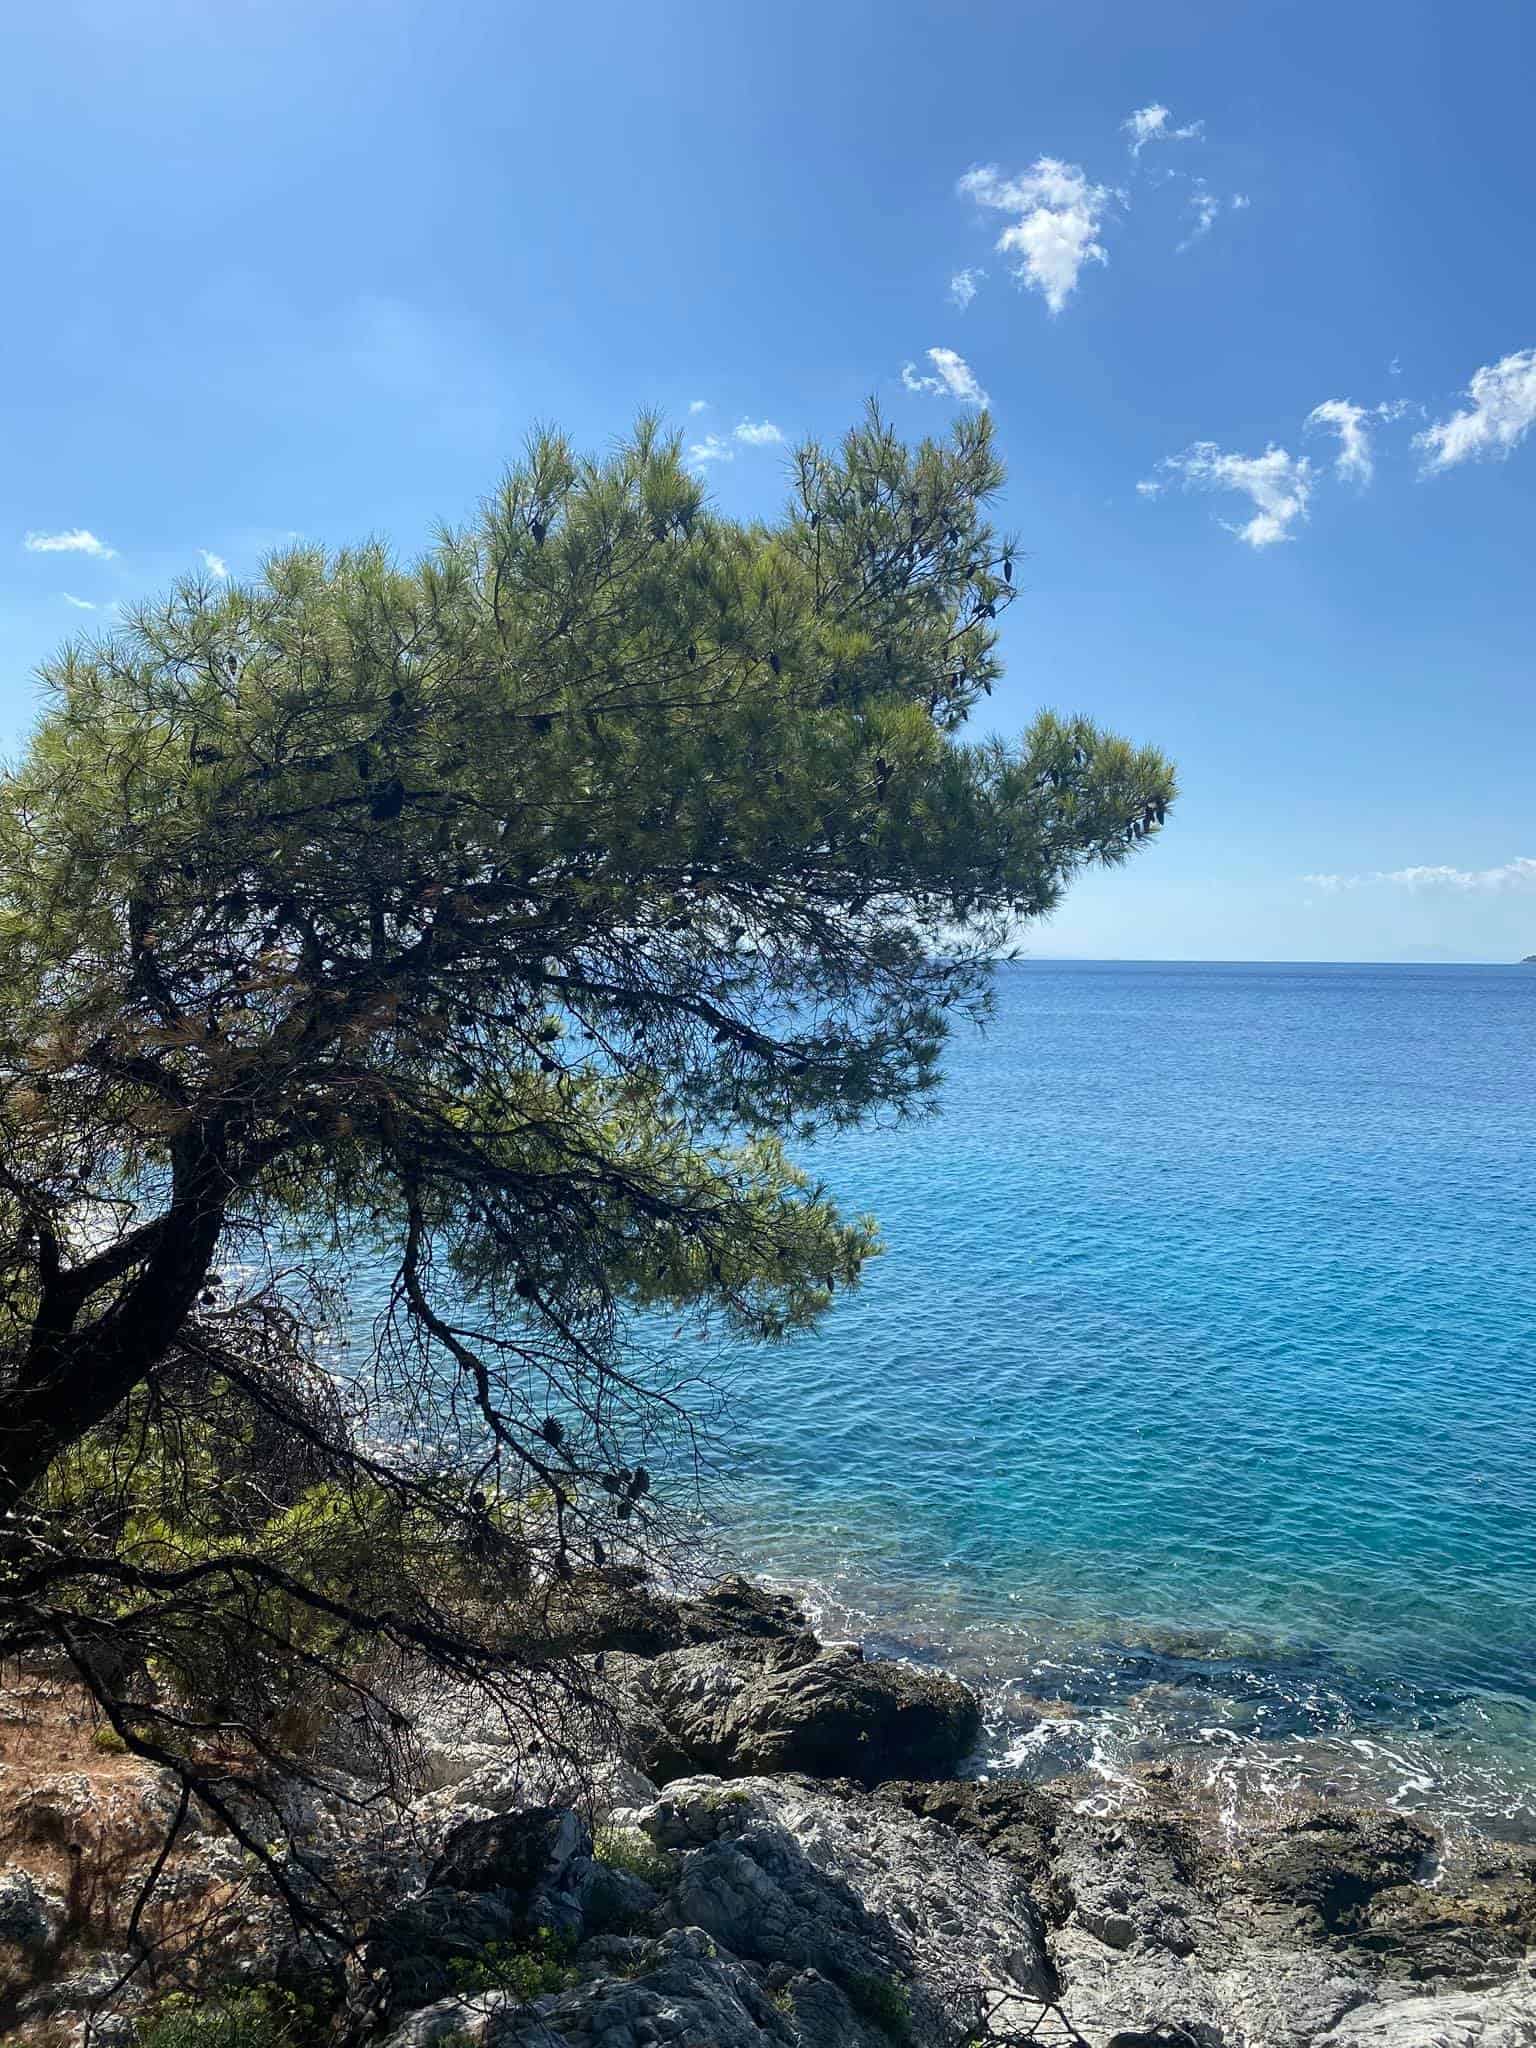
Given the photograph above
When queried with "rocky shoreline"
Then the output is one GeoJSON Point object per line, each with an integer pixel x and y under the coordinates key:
{"type": "Point", "coordinates": [784, 1857]}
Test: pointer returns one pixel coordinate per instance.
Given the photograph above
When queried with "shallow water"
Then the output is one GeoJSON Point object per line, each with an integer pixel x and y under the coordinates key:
{"type": "Point", "coordinates": [1195, 1397]}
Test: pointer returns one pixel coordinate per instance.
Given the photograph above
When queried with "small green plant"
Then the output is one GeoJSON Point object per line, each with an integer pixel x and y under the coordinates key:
{"type": "Point", "coordinates": [108, 1741]}
{"type": "Point", "coordinates": [627, 1849]}
{"type": "Point", "coordinates": [259, 2018]}
{"type": "Point", "coordinates": [884, 2002]}
{"type": "Point", "coordinates": [541, 1966]}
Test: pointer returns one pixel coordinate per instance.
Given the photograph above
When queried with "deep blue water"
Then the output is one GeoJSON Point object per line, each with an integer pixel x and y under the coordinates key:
{"type": "Point", "coordinates": [1195, 1394]}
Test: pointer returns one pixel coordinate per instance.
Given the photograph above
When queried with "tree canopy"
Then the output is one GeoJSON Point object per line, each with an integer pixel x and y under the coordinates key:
{"type": "Point", "coordinates": [497, 921]}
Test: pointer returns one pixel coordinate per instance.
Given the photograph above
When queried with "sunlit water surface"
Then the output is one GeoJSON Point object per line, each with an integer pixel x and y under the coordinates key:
{"type": "Point", "coordinates": [1194, 1401]}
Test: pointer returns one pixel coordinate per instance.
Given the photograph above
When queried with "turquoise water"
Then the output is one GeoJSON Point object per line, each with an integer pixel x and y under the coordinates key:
{"type": "Point", "coordinates": [1194, 1400]}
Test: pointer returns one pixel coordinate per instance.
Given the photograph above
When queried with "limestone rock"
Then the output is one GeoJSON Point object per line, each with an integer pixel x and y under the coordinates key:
{"type": "Point", "coordinates": [514, 1853]}
{"type": "Point", "coordinates": [31, 1916]}
{"type": "Point", "coordinates": [1503, 2018]}
{"type": "Point", "coordinates": [412, 1948]}
{"type": "Point", "coordinates": [898, 1911]}
{"type": "Point", "coordinates": [799, 1707]}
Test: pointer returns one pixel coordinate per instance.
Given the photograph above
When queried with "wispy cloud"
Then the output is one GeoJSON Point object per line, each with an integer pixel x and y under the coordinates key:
{"type": "Point", "coordinates": [1059, 213]}
{"type": "Point", "coordinates": [77, 541]}
{"type": "Point", "coordinates": [1502, 413]}
{"type": "Point", "coordinates": [1354, 462]}
{"type": "Point", "coordinates": [81, 604]}
{"type": "Point", "coordinates": [1278, 485]}
{"type": "Point", "coordinates": [1151, 124]}
{"type": "Point", "coordinates": [698, 405]}
{"type": "Point", "coordinates": [214, 564]}
{"type": "Point", "coordinates": [963, 286]}
{"type": "Point", "coordinates": [1206, 206]}
{"type": "Point", "coordinates": [711, 449]}
{"type": "Point", "coordinates": [1519, 873]}
{"type": "Point", "coordinates": [746, 433]}
{"type": "Point", "coordinates": [953, 378]}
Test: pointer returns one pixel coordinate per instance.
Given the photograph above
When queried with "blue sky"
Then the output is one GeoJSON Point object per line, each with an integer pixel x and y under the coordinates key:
{"type": "Point", "coordinates": [278, 269]}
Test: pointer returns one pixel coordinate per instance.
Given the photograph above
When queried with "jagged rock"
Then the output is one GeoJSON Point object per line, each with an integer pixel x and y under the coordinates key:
{"type": "Point", "coordinates": [31, 1917]}
{"type": "Point", "coordinates": [618, 1610]}
{"type": "Point", "coordinates": [798, 1707]}
{"type": "Point", "coordinates": [734, 1610]}
{"type": "Point", "coordinates": [1504, 2018]}
{"type": "Point", "coordinates": [612, 1902]}
{"type": "Point", "coordinates": [685, 1992]}
{"type": "Point", "coordinates": [79, 1990]}
{"type": "Point", "coordinates": [413, 1948]}
{"type": "Point", "coordinates": [487, 2020]}
{"type": "Point", "coordinates": [1003, 1816]}
{"type": "Point", "coordinates": [515, 1853]}
{"type": "Point", "coordinates": [897, 1910]}
{"type": "Point", "coordinates": [1319, 1876]}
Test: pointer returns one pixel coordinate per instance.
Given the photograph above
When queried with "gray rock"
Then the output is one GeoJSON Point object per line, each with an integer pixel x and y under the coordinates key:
{"type": "Point", "coordinates": [612, 1902]}
{"type": "Point", "coordinates": [617, 1610]}
{"type": "Point", "coordinates": [412, 1949]}
{"type": "Point", "coordinates": [488, 2019]}
{"type": "Point", "coordinates": [31, 1917]}
{"type": "Point", "coordinates": [80, 1990]}
{"type": "Point", "coordinates": [516, 1853]}
{"type": "Point", "coordinates": [740, 1712]}
{"type": "Point", "coordinates": [686, 1992]}
{"type": "Point", "coordinates": [1503, 2018]}
{"type": "Point", "coordinates": [898, 1912]}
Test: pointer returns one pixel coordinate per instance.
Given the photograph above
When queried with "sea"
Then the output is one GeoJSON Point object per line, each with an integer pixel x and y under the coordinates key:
{"type": "Point", "coordinates": [1190, 1412]}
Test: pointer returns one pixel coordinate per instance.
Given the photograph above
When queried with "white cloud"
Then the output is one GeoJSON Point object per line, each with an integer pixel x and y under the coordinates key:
{"type": "Point", "coordinates": [711, 449]}
{"type": "Point", "coordinates": [81, 604]}
{"type": "Point", "coordinates": [1519, 873]}
{"type": "Point", "coordinates": [954, 378]}
{"type": "Point", "coordinates": [1056, 232]}
{"type": "Point", "coordinates": [1150, 124]}
{"type": "Point", "coordinates": [1206, 206]}
{"type": "Point", "coordinates": [78, 541]}
{"type": "Point", "coordinates": [962, 286]}
{"type": "Point", "coordinates": [750, 434]}
{"type": "Point", "coordinates": [215, 564]}
{"type": "Point", "coordinates": [1395, 367]}
{"type": "Point", "coordinates": [698, 405]}
{"type": "Point", "coordinates": [1353, 462]}
{"type": "Point", "coordinates": [1502, 413]}
{"type": "Point", "coordinates": [1278, 485]}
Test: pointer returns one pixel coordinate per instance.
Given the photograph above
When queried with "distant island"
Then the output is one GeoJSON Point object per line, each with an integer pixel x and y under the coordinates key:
{"type": "Point", "coordinates": [1529, 960]}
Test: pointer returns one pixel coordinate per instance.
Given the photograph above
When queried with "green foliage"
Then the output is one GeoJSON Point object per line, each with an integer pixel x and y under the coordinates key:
{"type": "Point", "coordinates": [530, 1971]}
{"type": "Point", "coordinates": [499, 920]}
{"type": "Point", "coordinates": [257, 2018]}
{"type": "Point", "coordinates": [629, 1850]}
{"type": "Point", "coordinates": [884, 2001]}
{"type": "Point", "coordinates": [108, 1741]}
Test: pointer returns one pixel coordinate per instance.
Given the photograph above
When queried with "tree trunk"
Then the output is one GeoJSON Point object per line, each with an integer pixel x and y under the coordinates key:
{"type": "Point", "coordinates": [74, 1378]}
